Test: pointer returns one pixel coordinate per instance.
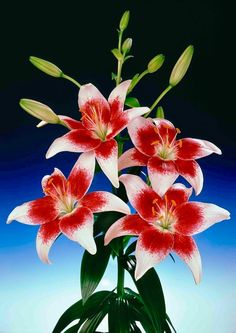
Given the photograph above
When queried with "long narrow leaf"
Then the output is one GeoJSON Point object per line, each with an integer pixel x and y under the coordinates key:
{"type": "Point", "coordinates": [93, 268]}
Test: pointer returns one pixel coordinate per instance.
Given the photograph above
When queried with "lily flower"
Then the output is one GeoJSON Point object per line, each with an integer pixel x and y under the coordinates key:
{"type": "Point", "coordinates": [66, 208]}
{"type": "Point", "coordinates": [166, 158]}
{"type": "Point", "coordinates": [101, 121]}
{"type": "Point", "coordinates": [164, 224]}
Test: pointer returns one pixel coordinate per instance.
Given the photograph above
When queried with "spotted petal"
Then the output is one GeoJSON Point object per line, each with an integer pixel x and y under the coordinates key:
{"type": "Point", "coordinates": [38, 211]}
{"type": "Point", "coordinates": [131, 225]}
{"type": "Point", "coordinates": [78, 226]}
{"type": "Point", "coordinates": [107, 157]}
{"type": "Point", "coordinates": [162, 174]}
{"type": "Point", "coordinates": [143, 135]}
{"type": "Point", "coordinates": [187, 249]}
{"type": "Point", "coordinates": [81, 175]}
{"type": "Point", "coordinates": [117, 98]}
{"type": "Point", "coordinates": [46, 236]}
{"type": "Point", "coordinates": [152, 247]}
{"type": "Point", "coordinates": [132, 157]}
{"type": "Point", "coordinates": [195, 217]}
{"type": "Point", "coordinates": [76, 141]}
{"type": "Point", "coordinates": [192, 172]}
{"type": "Point", "coordinates": [191, 149]}
{"type": "Point", "coordinates": [101, 201]}
{"type": "Point", "coordinates": [141, 197]}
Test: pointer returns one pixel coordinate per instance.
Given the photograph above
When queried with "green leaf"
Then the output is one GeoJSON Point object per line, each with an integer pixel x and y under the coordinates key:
{"type": "Point", "coordinates": [131, 248]}
{"type": "Point", "coordinates": [132, 102]}
{"type": "Point", "coordinates": [93, 268]}
{"type": "Point", "coordinates": [104, 221]}
{"type": "Point", "coordinates": [73, 329]}
{"type": "Point", "coordinates": [150, 290]}
{"type": "Point", "coordinates": [169, 321]}
{"type": "Point", "coordinates": [92, 323]}
{"type": "Point", "coordinates": [118, 317]}
{"type": "Point", "coordinates": [72, 313]}
{"type": "Point", "coordinates": [118, 55]}
{"type": "Point", "coordinates": [128, 57]}
{"type": "Point", "coordinates": [113, 76]}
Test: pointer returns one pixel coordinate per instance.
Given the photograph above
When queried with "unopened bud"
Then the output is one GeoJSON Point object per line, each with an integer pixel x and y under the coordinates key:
{"type": "Point", "coordinates": [181, 66]}
{"type": "Point", "coordinates": [126, 46]}
{"type": "Point", "coordinates": [39, 110]}
{"type": "Point", "coordinates": [124, 20]}
{"type": "Point", "coordinates": [46, 66]}
{"type": "Point", "coordinates": [160, 112]}
{"type": "Point", "coordinates": [156, 63]}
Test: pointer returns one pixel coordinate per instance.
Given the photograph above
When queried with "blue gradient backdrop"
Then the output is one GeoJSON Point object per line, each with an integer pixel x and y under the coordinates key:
{"type": "Point", "coordinates": [34, 295]}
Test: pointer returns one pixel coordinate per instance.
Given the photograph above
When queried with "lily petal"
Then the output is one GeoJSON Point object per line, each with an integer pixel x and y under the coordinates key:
{"type": "Point", "coordinates": [46, 236]}
{"type": "Point", "coordinates": [38, 211]}
{"type": "Point", "coordinates": [101, 201]}
{"type": "Point", "coordinates": [132, 157]}
{"type": "Point", "coordinates": [187, 249]}
{"type": "Point", "coordinates": [178, 193]}
{"type": "Point", "coordinates": [107, 157]}
{"type": "Point", "coordinates": [91, 102]}
{"type": "Point", "coordinates": [117, 124]}
{"type": "Point", "coordinates": [195, 217]}
{"type": "Point", "coordinates": [162, 174]}
{"type": "Point", "coordinates": [78, 226]}
{"type": "Point", "coordinates": [143, 134]}
{"type": "Point", "coordinates": [81, 175]}
{"type": "Point", "coordinates": [191, 149]}
{"type": "Point", "coordinates": [128, 225]}
{"type": "Point", "coordinates": [192, 172]}
{"type": "Point", "coordinates": [166, 129]}
{"type": "Point", "coordinates": [76, 141]}
{"type": "Point", "coordinates": [152, 247]}
{"type": "Point", "coordinates": [71, 123]}
{"type": "Point", "coordinates": [141, 196]}
{"type": "Point", "coordinates": [54, 184]}
{"type": "Point", "coordinates": [117, 98]}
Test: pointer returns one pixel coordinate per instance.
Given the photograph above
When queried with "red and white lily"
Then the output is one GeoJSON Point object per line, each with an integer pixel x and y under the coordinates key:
{"type": "Point", "coordinates": [164, 224]}
{"type": "Point", "coordinates": [66, 208]}
{"type": "Point", "coordinates": [101, 121]}
{"type": "Point", "coordinates": [166, 158]}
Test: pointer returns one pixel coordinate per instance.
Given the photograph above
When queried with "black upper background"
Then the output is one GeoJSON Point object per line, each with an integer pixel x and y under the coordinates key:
{"type": "Point", "coordinates": [78, 36]}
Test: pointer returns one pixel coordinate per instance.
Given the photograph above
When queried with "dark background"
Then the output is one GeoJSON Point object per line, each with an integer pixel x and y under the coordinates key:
{"type": "Point", "coordinates": [78, 36]}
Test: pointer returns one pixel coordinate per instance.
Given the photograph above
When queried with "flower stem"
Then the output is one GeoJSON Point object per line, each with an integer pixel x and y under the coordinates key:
{"type": "Point", "coordinates": [159, 98]}
{"type": "Point", "coordinates": [71, 79]}
{"type": "Point", "coordinates": [121, 274]}
{"type": "Point", "coordinates": [120, 61]}
{"type": "Point", "coordinates": [138, 79]}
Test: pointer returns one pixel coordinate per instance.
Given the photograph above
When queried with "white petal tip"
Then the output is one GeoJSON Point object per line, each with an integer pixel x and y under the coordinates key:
{"type": "Point", "coordinates": [91, 248]}
{"type": "Point", "coordinates": [9, 220]}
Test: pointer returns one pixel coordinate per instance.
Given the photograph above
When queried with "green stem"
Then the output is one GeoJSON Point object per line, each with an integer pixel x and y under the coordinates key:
{"type": "Point", "coordinates": [138, 79]}
{"type": "Point", "coordinates": [64, 76]}
{"type": "Point", "coordinates": [121, 274]}
{"type": "Point", "coordinates": [120, 61]}
{"type": "Point", "coordinates": [158, 99]}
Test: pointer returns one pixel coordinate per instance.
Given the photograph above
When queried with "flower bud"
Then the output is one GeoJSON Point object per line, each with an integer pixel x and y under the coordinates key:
{"type": "Point", "coordinates": [39, 110]}
{"type": "Point", "coordinates": [126, 46]}
{"type": "Point", "coordinates": [155, 63]}
{"type": "Point", "coordinates": [181, 66]}
{"type": "Point", "coordinates": [160, 112]}
{"type": "Point", "coordinates": [124, 20]}
{"type": "Point", "coordinates": [46, 66]}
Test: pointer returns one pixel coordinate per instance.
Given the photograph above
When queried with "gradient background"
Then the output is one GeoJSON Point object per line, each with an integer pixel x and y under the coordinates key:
{"type": "Point", "coordinates": [78, 39]}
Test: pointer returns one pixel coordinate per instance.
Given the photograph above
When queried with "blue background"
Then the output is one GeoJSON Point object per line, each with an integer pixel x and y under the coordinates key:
{"type": "Point", "coordinates": [34, 295]}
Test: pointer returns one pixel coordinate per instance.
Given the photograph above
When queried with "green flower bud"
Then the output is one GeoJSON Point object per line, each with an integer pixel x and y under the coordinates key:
{"type": "Point", "coordinates": [46, 66]}
{"type": "Point", "coordinates": [155, 63]}
{"type": "Point", "coordinates": [126, 46]}
{"type": "Point", "coordinates": [160, 112]}
{"type": "Point", "coordinates": [39, 110]}
{"type": "Point", "coordinates": [124, 20]}
{"type": "Point", "coordinates": [181, 66]}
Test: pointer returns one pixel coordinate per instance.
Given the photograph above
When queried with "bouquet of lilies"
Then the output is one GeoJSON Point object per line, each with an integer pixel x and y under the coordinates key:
{"type": "Point", "coordinates": [163, 220]}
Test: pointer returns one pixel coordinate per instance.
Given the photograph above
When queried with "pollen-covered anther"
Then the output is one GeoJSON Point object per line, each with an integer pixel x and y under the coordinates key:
{"type": "Point", "coordinates": [178, 130]}
{"type": "Point", "coordinates": [154, 212]}
{"type": "Point", "coordinates": [156, 142]}
{"type": "Point", "coordinates": [180, 143]}
{"type": "Point", "coordinates": [173, 202]}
